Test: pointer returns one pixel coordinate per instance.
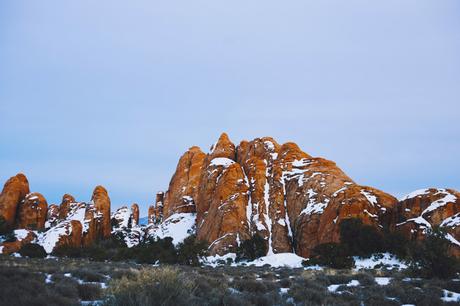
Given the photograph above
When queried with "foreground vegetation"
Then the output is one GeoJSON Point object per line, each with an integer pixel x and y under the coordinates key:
{"type": "Point", "coordinates": [26, 281]}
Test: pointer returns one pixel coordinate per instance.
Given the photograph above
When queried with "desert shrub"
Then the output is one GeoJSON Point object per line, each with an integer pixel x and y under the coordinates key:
{"type": "Point", "coordinates": [360, 239]}
{"type": "Point", "coordinates": [191, 250]}
{"type": "Point", "coordinates": [4, 228]}
{"type": "Point", "coordinates": [396, 243]}
{"type": "Point", "coordinates": [431, 258]}
{"type": "Point", "coordinates": [88, 275]}
{"type": "Point", "coordinates": [160, 286]}
{"type": "Point", "coordinates": [365, 279]}
{"type": "Point", "coordinates": [333, 255]}
{"type": "Point", "coordinates": [89, 292]}
{"type": "Point", "coordinates": [308, 292]}
{"type": "Point", "coordinates": [67, 251]}
{"type": "Point", "coordinates": [252, 248]}
{"type": "Point", "coordinates": [32, 250]}
{"type": "Point", "coordinates": [250, 285]}
{"type": "Point", "coordinates": [20, 287]}
{"type": "Point", "coordinates": [155, 250]}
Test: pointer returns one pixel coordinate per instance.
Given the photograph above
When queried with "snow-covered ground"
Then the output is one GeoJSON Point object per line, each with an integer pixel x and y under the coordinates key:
{"type": "Point", "coordinates": [385, 259]}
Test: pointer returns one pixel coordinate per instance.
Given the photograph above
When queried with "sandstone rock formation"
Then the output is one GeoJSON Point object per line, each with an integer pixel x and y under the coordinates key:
{"type": "Point", "coordinates": [183, 187]}
{"type": "Point", "coordinates": [135, 214]}
{"type": "Point", "coordinates": [32, 212]}
{"type": "Point", "coordinates": [294, 201]}
{"type": "Point", "coordinates": [64, 209]}
{"type": "Point", "coordinates": [101, 202]}
{"type": "Point", "coordinates": [14, 191]}
{"type": "Point", "coordinates": [424, 209]}
{"type": "Point", "coordinates": [52, 217]}
{"type": "Point", "coordinates": [22, 237]}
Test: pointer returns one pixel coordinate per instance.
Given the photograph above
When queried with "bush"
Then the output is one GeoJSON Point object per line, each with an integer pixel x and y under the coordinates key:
{"type": "Point", "coordinates": [32, 250]}
{"type": "Point", "coordinates": [89, 292]}
{"type": "Point", "coordinates": [252, 248]}
{"type": "Point", "coordinates": [396, 244]}
{"type": "Point", "coordinates": [360, 239]}
{"type": "Point", "coordinates": [4, 228]}
{"type": "Point", "coordinates": [191, 250]}
{"type": "Point", "coordinates": [431, 258]}
{"type": "Point", "coordinates": [160, 286]}
{"type": "Point", "coordinates": [333, 255]}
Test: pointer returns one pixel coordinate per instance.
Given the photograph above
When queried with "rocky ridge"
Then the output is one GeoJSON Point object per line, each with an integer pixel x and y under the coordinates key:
{"type": "Point", "coordinates": [259, 187]}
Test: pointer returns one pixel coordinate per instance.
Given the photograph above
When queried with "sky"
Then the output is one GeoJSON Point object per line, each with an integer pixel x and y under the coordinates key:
{"type": "Point", "coordinates": [114, 92]}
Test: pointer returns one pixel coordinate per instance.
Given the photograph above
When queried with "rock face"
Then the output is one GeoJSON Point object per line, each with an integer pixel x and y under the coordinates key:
{"type": "Point", "coordinates": [135, 214]}
{"type": "Point", "coordinates": [22, 236]}
{"type": "Point", "coordinates": [424, 209]}
{"type": "Point", "coordinates": [101, 202]}
{"type": "Point", "coordinates": [52, 217]}
{"type": "Point", "coordinates": [32, 212]}
{"type": "Point", "coordinates": [183, 187]}
{"type": "Point", "coordinates": [14, 191]}
{"type": "Point", "coordinates": [65, 206]}
{"type": "Point", "coordinates": [292, 200]}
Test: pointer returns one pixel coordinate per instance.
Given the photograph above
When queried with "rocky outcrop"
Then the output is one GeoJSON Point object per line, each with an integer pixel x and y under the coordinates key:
{"type": "Point", "coordinates": [13, 193]}
{"type": "Point", "coordinates": [291, 199]}
{"type": "Point", "coordinates": [183, 187]}
{"type": "Point", "coordinates": [135, 214]}
{"type": "Point", "coordinates": [32, 212]}
{"type": "Point", "coordinates": [424, 209]}
{"type": "Point", "coordinates": [64, 209]}
{"type": "Point", "coordinates": [101, 215]}
{"type": "Point", "coordinates": [52, 217]}
{"type": "Point", "coordinates": [22, 237]}
{"type": "Point", "coordinates": [67, 233]}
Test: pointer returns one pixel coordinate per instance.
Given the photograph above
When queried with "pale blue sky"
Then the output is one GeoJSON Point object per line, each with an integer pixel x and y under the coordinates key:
{"type": "Point", "coordinates": [113, 92]}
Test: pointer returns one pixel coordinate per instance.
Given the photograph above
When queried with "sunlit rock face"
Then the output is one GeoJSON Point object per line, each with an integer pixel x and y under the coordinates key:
{"type": "Point", "coordinates": [291, 199]}
{"type": "Point", "coordinates": [13, 193]}
{"type": "Point", "coordinates": [32, 212]}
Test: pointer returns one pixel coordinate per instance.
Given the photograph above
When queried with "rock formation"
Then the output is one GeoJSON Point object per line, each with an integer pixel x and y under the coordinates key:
{"type": "Point", "coordinates": [135, 214]}
{"type": "Point", "coordinates": [425, 209]}
{"type": "Point", "coordinates": [101, 202]}
{"type": "Point", "coordinates": [52, 217]}
{"type": "Point", "coordinates": [14, 191]}
{"type": "Point", "coordinates": [292, 200]}
{"type": "Point", "coordinates": [32, 212]}
{"type": "Point", "coordinates": [183, 187]}
{"type": "Point", "coordinates": [64, 209]}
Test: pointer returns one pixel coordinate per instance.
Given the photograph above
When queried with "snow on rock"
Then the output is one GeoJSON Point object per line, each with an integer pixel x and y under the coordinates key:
{"type": "Point", "coordinates": [369, 196]}
{"type": "Point", "coordinates": [415, 193]}
{"type": "Point", "coordinates": [49, 239]}
{"type": "Point", "coordinates": [21, 234]}
{"type": "Point", "coordinates": [177, 226]}
{"type": "Point", "coordinates": [386, 259]}
{"type": "Point", "coordinates": [221, 161]}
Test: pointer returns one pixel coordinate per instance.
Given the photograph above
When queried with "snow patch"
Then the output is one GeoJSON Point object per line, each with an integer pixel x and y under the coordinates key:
{"type": "Point", "coordinates": [385, 259]}
{"type": "Point", "coordinates": [178, 226]}
{"type": "Point", "coordinates": [221, 161]}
